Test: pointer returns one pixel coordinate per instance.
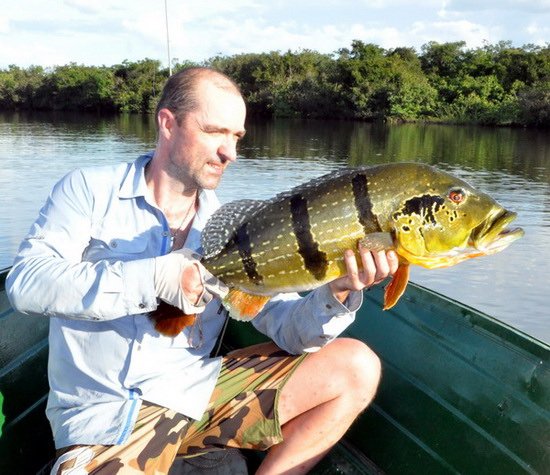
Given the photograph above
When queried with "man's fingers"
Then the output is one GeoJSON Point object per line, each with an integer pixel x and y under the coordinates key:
{"type": "Point", "coordinates": [378, 265]}
{"type": "Point", "coordinates": [393, 261]}
{"type": "Point", "coordinates": [351, 265]}
{"type": "Point", "coordinates": [375, 266]}
{"type": "Point", "coordinates": [191, 283]}
{"type": "Point", "coordinates": [369, 268]}
{"type": "Point", "coordinates": [382, 266]}
{"type": "Point", "coordinates": [214, 285]}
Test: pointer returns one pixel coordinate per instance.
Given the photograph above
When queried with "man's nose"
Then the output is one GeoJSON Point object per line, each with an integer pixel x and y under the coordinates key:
{"type": "Point", "coordinates": [228, 150]}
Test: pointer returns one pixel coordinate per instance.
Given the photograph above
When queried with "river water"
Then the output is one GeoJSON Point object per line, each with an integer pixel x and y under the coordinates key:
{"type": "Point", "coordinates": [512, 165]}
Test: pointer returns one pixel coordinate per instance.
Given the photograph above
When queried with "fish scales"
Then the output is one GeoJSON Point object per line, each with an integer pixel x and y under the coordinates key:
{"type": "Point", "coordinates": [307, 225]}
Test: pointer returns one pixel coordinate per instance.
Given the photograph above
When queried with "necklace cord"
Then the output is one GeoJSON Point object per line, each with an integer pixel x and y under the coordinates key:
{"type": "Point", "coordinates": [185, 216]}
{"type": "Point", "coordinates": [174, 232]}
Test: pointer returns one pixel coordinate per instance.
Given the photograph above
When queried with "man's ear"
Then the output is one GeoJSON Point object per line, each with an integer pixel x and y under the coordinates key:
{"type": "Point", "coordinates": [166, 122]}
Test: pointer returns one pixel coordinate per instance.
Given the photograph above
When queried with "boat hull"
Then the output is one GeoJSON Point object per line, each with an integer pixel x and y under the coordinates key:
{"type": "Point", "coordinates": [460, 391]}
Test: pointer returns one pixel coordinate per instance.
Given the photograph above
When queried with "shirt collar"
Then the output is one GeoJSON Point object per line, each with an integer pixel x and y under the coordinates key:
{"type": "Point", "coordinates": [134, 184]}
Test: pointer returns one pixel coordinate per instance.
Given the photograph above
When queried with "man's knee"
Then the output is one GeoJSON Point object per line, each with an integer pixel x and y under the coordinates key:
{"type": "Point", "coordinates": [360, 367]}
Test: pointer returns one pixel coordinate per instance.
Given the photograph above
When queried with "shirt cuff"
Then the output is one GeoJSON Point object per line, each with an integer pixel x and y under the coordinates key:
{"type": "Point", "coordinates": [139, 287]}
{"type": "Point", "coordinates": [332, 319]}
{"type": "Point", "coordinates": [333, 306]}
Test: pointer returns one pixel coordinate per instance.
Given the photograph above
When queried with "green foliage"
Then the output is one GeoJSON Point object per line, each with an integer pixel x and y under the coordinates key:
{"type": "Point", "coordinates": [410, 94]}
{"type": "Point", "coordinates": [75, 87]}
{"type": "Point", "coordinates": [534, 105]}
{"type": "Point", "coordinates": [494, 85]}
{"type": "Point", "coordinates": [138, 85]}
{"type": "Point", "coordinates": [18, 87]}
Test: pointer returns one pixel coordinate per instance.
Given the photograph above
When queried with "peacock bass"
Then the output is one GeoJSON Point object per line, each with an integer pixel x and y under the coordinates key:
{"type": "Point", "coordinates": [295, 241]}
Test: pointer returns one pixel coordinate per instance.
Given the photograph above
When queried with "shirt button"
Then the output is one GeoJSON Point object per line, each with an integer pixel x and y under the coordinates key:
{"type": "Point", "coordinates": [141, 305]}
{"type": "Point", "coordinates": [165, 233]}
{"type": "Point", "coordinates": [113, 243]}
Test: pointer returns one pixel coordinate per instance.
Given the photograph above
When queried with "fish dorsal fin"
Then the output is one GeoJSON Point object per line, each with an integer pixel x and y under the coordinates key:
{"type": "Point", "coordinates": [224, 222]}
{"type": "Point", "coordinates": [314, 183]}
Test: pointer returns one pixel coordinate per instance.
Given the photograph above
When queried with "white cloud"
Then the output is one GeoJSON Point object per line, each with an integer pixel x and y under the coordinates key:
{"type": "Point", "coordinates": [256, 35]}
{"type": "Point", "coordinates": [535, 29]}
{"type": "Point", "coordinates": [462, 30]}
{"type": "Point", "coordinates": [539, 35]}
{"type": "Point", "coordinates": [499, 5]}
{"type": "Point", "coordinates": [4, 25]}
{"type": "Point", "coordinates": [375, 3]}
{"type": "Point", "coordinates": [107, 32]}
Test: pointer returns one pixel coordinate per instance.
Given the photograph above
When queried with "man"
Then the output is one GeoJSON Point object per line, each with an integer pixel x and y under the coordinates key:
{"type": "Point", "coordinates": [111, 241]}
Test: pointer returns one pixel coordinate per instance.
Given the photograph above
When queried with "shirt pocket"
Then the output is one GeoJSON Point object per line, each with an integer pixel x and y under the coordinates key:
{"type": "Point", "coordinates": [114, 246]}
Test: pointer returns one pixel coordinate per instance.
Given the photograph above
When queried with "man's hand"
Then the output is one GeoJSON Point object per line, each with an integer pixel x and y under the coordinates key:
{"type": "Point", "coordinates": [182, 281]}
{"type": "Point", "coordinates": [376, 266]}
{"type": "Point", "coordinates": [191, 282]}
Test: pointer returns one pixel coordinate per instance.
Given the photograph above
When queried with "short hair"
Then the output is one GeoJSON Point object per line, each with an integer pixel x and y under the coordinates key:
{"type": "Point", "coordinates": [179, 94]}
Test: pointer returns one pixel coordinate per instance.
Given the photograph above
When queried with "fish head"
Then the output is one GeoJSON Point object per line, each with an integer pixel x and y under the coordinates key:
{"type": "Point", "coordinates": [447, 221]}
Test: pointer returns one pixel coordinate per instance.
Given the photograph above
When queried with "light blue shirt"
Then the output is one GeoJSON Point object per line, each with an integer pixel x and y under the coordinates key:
{"type": "Point", "coordinates": [88, 264]}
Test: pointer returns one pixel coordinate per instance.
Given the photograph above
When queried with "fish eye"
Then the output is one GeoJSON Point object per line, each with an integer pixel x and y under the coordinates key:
{"type": "Point", "coordinates": [457, 195]}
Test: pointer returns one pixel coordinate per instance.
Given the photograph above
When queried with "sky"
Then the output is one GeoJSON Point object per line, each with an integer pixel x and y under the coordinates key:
{"type": "Point", "coordinates": [107, 32]}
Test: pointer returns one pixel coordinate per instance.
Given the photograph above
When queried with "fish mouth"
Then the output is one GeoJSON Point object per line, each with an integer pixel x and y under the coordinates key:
{"type": "Point", "coordinates": [493, 235]}
{"type": "Point", "coordinates": [489, 237]}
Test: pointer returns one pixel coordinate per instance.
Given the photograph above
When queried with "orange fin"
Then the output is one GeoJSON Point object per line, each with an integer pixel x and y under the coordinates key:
{"type": "Point", "coordinates": [395, 289]}
{"type": "Point", "coordinates": [170, 320]}
{"type": "Point", "coordinates": [244, 306]}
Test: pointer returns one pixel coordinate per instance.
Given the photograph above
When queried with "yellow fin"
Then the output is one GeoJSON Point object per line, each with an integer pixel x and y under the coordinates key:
{"type": "Point", "coordinates": [244, 306]}
{"type": "Point", "coordinates": [395, 289]}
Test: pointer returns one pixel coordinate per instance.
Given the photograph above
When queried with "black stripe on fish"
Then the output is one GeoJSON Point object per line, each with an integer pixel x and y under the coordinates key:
{"type": "Point", "coordinates": [242, 239]}
{"type": "Point", "coordinates": [425, 206]}
{"type": "Point", "coordinates": [315, 261]}
{"type": "Point", "coordinates": [363, 204]}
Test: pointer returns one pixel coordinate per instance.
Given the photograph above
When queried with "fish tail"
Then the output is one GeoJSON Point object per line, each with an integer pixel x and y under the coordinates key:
{"type": "Point", "coordinates": [244, 306]}
{"type": "Point", "coordinates": [170, 320]}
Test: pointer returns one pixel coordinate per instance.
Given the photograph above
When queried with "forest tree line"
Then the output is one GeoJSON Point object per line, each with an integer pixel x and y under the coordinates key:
{"type": "Point", "coordinates": [447, 82]}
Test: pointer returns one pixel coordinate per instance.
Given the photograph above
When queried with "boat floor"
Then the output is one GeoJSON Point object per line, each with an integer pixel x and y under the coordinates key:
{"type": "Point", "coordinates": [342, 459]}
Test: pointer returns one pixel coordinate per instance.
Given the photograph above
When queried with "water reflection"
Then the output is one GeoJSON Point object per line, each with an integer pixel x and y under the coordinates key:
{"type": "Point", "coordinates": [513, 165]}
{"type": "Point", "coordinates": [522, 152]}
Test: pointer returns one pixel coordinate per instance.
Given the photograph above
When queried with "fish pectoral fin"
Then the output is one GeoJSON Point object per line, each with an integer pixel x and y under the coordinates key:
{"type": "Point", "coordinates": [395, 289]}
{"type": "Point", "coordinates": [377, 241]}
{"type": "Point", "coordinates": [244, 306]}
{"type": "Point", "coordinates": [170, 320]}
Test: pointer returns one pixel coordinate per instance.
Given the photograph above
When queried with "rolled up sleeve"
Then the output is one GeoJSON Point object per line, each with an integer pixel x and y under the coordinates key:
{"type": "Point", "coordinates": [49, 277]}
{"type": "Point", "coordinates": [305, 324]}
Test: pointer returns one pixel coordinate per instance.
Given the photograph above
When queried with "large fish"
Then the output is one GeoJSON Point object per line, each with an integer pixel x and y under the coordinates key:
{"type": "Point", "coordinates": [296, 240]}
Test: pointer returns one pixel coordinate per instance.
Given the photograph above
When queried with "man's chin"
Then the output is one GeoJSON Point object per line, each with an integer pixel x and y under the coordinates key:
{"type": "Point", "coordinates": [210, 183]}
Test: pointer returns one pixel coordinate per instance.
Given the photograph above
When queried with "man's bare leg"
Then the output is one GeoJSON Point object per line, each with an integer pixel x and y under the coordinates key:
{"type": "Point", "coordinates": [319, 402]}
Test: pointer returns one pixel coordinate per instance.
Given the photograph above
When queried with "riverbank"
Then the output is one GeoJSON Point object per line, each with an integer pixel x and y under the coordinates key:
{"type": "Point", "coordinates": [445, 83]}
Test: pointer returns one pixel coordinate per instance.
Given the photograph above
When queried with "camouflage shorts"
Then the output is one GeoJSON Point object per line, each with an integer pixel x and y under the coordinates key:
{"type": "Point", "coordinates": [241, 413]}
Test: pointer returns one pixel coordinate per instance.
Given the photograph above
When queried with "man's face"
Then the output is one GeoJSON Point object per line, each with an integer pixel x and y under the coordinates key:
{"type": "Point", "coordinates": [206, 141]}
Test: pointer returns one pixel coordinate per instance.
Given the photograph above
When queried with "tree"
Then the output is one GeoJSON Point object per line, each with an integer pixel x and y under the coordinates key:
{"type": "Point", "coordinates": [76, 87]}
{"type": "Point", "coordinates": [534, 105]}
{"type": "Point", "coordinates": [363, 73]}
{"type": "Point", "coordinates": [18, 87]}
{"type": "Point", "coordinates": [138, 84]}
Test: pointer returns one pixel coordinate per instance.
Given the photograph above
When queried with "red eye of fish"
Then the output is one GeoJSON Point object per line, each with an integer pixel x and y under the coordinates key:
{"type": "Point", "coordinates": [457, 196]}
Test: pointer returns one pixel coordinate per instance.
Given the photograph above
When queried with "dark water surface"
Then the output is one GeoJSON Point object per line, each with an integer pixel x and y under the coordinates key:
{"type": "Point", "coordinates": [512, 165]}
